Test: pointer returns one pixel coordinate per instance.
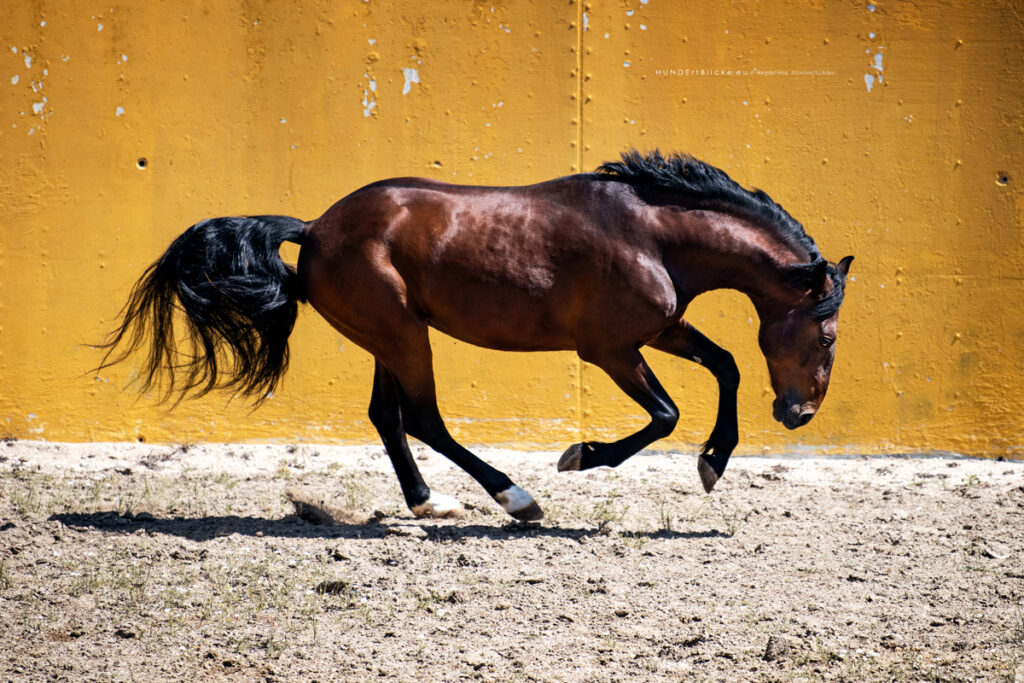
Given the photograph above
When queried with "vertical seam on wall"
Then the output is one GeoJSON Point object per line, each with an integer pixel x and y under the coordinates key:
{"type": "Point", "coordinates": [579, 169]}
{"type": "Point", "coordinates": [579, 86]}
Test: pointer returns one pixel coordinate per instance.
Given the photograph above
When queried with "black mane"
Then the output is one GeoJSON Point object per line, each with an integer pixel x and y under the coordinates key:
{"type": "Point", "coordinates": [701, 185]}
{"type": "Point", "coordinates": [698, 185]}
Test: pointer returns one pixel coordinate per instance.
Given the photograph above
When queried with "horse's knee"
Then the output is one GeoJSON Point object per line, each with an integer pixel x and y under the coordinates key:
{"type": "Point", "coordinates": [664, 420]}
{"type": "Point", "coordinates": [728, 374]}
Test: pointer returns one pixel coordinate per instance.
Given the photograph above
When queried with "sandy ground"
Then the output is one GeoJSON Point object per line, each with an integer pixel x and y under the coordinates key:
{"type": "Point", "coordinates": [138, 562]}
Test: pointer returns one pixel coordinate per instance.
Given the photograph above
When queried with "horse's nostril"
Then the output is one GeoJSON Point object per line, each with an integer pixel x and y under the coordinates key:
{"type": "Point", "coordinates": [805, 418]}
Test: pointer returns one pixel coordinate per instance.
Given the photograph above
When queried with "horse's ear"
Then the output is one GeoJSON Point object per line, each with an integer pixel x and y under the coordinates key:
{"type": "Point", "coordinates": [844, 265]}
{"type": "Point", "coordinates": [818, 277]}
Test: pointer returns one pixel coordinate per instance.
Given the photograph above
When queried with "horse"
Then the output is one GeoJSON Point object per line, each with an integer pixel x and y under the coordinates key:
{"type": "Point", "coordinates": [602, 263]}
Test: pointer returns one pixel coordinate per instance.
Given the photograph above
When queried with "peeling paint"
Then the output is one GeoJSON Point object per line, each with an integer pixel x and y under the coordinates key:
{"type": "Point", "coordinates": [14, 79]}
{"type": "Point", "coordinates": [369, 96]}
{"type": "Point", "coordinates": [411, 76]}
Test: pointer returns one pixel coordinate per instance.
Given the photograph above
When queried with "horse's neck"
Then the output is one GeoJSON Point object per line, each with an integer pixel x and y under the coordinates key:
{"type": "Point", "coordinates": [719, 251]}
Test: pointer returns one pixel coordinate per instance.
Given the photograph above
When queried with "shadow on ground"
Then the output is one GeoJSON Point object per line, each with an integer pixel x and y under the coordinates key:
{"type": "Point", "coordinates": [293, 526]}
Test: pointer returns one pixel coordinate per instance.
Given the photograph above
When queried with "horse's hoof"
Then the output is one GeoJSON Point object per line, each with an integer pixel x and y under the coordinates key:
{"type": "Point", "coordinates": [438, 505]}
{"type": "Point", "coordinates": [707, 474]}
{"type": "Point", "coordinates": [571, 459]}
{"type": "Point", "coordinates": [530, 513]}
{"type": "Point", "coordinates": [520, 504]}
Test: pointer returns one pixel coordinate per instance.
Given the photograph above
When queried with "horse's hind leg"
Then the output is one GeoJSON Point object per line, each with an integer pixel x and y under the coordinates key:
{"type": "Point", "coordinates": [421, 419]}
{"type": "Point", "coordinates": [386, 416]}
{"type": "Point", "coordinates": [632, 374]}
{"type": "Point", "coordinates": [375, 316]}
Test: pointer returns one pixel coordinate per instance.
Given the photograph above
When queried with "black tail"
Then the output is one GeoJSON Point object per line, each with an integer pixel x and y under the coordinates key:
{"type": "Point", "coordinates": [239, 301]}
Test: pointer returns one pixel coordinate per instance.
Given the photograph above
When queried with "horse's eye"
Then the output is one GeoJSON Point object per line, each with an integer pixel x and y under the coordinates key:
{"type": "Point", "coordinates": [826, 341]}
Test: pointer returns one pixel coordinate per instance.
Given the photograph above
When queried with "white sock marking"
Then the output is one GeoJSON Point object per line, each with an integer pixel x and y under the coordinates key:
{"type": "Point", "coordinates": [438, 505]}
{"type": "Point", "coordinates": [514, 499]}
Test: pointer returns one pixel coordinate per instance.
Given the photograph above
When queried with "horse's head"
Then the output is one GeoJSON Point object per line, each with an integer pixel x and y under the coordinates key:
{"type": "Point", "coordinates": [799, 342]}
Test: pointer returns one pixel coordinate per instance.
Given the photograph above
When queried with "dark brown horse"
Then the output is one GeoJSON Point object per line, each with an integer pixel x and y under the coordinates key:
{"type": "Point", "coordinates": [602, 264]}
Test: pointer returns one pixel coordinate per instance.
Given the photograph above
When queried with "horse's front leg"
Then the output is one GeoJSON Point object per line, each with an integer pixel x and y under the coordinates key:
{"type": "Point", "coordinates": [632, 374]}
{"type": "Point", "coordinates": [686, 341]}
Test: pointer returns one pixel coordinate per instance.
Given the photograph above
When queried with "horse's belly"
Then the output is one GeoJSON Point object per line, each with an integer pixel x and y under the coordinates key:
{"type": "Point", "coordinates": [504, 339]}
{"type": "Point", "coordinates": [508, 321]}
{"type": "Point", "coordinates": [533, 306]}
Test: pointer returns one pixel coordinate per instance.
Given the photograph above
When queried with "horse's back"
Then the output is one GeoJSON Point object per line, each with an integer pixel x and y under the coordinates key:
{"type": "Point", "coordinates": [505, 267]}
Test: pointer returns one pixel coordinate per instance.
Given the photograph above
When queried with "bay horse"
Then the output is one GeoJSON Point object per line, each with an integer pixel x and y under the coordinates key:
{"type": "Point", "coordinates": [599, 263]}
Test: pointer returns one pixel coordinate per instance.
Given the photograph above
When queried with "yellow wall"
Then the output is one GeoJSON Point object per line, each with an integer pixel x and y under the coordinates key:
{"type": "Point", "coordinates": [267, 107]}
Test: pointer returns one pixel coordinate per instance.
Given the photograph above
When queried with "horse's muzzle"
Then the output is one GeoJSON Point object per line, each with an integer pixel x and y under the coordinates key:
{"type": "Point", "coordinates": [792, 415]}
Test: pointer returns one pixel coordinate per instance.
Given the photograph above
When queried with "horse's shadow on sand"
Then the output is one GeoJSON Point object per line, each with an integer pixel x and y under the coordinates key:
{"type": "Point", "coordinates": [212, 527]}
